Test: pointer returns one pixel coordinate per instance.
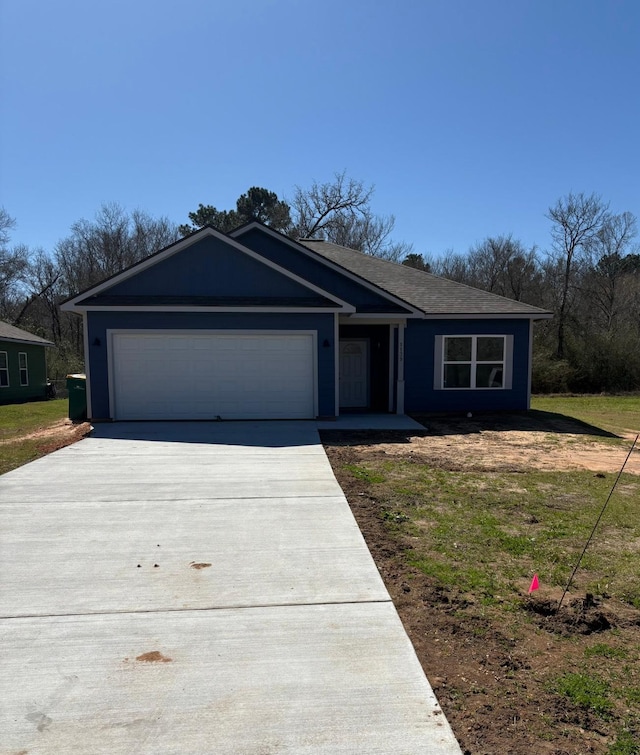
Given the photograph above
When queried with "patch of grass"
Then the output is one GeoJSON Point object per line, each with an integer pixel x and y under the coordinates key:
{"type": "Point", "coordinates": [606, 651]}
{"type": "Point", "coordinates": [626, 744]}
{"type": "Point", "coordinates": [476, 528]}
{"type": "Point", "coordinates": [397, 517]}
{"type": "Point", "coordinates": [616, 414]}
{"type": "Point", "coordinates": [632, 695]}
{"type": "Point", "coordinates": [588, 692]}
{"type": "Point", "coordinates": [14, 455]}
{"type": "Point", "coordinates": [18, 419]}
{"type": "Point", "coordinates": [465, 577]}
{"type": "Point", "coordinates": [364, 474]}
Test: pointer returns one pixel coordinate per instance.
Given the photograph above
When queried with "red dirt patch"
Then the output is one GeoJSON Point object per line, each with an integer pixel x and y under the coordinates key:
{"type": "Point", "coordinates": [153, 656]}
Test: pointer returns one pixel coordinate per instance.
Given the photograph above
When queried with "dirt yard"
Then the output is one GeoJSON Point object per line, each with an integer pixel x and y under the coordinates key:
{"type": "Point", "coordinates": [489, 668]}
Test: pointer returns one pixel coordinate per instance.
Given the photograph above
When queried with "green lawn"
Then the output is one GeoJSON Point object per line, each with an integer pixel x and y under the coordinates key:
{"type": "Point", "coordinates": [616, 414]}
{"type": "Point", "coordinates": [17, 420]}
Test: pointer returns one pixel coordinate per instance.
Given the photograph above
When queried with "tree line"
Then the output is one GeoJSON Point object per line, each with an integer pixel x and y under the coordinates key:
{"type": "Point", "coordinates": [588, 274]}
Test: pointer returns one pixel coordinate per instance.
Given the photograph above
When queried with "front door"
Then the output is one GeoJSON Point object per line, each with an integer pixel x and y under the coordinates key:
{"type": "Point", "coordinates": [354, 373]}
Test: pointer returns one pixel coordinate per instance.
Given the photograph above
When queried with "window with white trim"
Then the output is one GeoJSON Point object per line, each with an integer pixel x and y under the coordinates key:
{"type": "Point", "coordinates": [473, 362]}
{"type": "Point", "coordinates": [4, 370]}
{"type": "Point", "coordinates": [23, 368]}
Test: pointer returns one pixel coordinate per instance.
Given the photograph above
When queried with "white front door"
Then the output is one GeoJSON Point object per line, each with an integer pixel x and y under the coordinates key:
{"type": "Point", "coordinates": [354, 373]}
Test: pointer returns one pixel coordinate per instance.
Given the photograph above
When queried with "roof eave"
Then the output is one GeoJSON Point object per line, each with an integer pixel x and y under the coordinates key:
{"type": "Point", "coordinates": [27, 342]}
{"type": "Point", "coordinates": [488, 315]}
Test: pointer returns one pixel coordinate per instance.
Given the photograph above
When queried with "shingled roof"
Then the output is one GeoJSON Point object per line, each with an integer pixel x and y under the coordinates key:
{"type": "Point", "coordinates": [17, 335]}
{"type": "Point", "coordinates": [428, 293]}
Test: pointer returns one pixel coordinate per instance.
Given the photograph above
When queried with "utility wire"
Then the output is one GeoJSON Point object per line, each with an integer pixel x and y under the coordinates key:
{"type": "Point", "coordinates": [606, 503]}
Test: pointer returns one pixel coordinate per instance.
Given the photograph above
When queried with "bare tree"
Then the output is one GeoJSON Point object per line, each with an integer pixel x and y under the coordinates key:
{"type": "Point", "coordinates": [14, 264]}
{"type": "Point", "coordinates": [577, 219]}
{"type": "Point", "coordinates": [340, 211]}
{"type": "Point", "coordinates": [502, 265]}
{"type": "Point", "coordinates": [610, 267]}
{"type": "Point", "coordinates": [453, 266]}
{"type": "Point", "coordinates": [323, 206]}
{"type": "Point", "coordinates": [111, 242]}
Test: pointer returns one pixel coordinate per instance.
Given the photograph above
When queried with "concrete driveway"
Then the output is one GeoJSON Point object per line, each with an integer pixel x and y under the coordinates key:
{"type": "Point", "coordinates": [199, 588]}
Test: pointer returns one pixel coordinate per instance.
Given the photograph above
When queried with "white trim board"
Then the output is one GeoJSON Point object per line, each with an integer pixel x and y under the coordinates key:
{"type": "Point", "coordinates": [158, 308]}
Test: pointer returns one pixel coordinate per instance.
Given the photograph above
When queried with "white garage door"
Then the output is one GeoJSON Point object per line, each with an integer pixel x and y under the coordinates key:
{"type": "Point", "coordinates": [168, 375]}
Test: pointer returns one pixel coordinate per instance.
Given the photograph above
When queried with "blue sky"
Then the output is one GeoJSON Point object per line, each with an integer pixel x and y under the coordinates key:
{"type": "Point", "coordinates": [470, 117]}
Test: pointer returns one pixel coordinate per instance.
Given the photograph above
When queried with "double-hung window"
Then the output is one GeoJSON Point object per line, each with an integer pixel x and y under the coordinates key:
{"type": "Point", "coordinates": [23, 368]}
{"type": "Point", "coordinates": [4, 370]}
{"type": "Point", "coordinates": [474, 362]}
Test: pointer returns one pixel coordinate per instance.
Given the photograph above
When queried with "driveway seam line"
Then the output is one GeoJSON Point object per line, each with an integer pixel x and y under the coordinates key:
{"type": "Point", "coordinates": [189, 610]}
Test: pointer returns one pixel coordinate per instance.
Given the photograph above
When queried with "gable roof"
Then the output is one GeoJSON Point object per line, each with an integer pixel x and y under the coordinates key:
{"type": "Point", "coordinates": [429, 293]}
{"type": "Point", "coordinates": [424, 294]}
{"type": "Point", "coordinates": [17, 335]}
{"type": "Point", "coordinates": [89, 298]}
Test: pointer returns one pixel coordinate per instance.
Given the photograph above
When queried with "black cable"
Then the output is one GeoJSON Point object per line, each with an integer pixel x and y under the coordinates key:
{"type": "Point", "coordinates": [573, 574]}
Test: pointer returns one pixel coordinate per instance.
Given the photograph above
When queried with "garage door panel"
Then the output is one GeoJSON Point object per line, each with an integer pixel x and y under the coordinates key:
{"type": "Point", "coordinates": [206, 375]}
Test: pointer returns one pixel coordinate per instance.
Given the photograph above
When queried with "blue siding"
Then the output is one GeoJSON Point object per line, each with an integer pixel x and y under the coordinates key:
{"type": "Point", "coordinates": [314, 271]}
{"type": "Point", "coordinates": [210, 267]}
{"type": "Point", "coordinates": [420, 395]}
{"type": "Point", "coordinates": [99, 322]}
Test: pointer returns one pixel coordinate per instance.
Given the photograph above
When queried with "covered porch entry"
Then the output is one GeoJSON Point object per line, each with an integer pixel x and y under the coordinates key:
{"type": "Point", "coordinates": [370, 373]}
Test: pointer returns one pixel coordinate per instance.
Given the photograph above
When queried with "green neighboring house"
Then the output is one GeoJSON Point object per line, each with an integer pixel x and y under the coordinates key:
{"type": "Point", "coordinates": [23, 365]}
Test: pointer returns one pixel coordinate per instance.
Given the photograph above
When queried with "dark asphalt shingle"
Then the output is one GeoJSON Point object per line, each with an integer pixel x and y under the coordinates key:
{"type": "Point", "coordinates": [11, 333]}
{"type": "Point", "coordinates": [429, 293]}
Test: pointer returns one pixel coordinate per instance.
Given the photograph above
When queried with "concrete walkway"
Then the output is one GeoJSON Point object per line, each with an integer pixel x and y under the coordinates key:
{"type": "Point", "coordinates": [199, 588]}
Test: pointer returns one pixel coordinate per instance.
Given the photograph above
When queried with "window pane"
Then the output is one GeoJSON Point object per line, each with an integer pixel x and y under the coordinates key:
{"type": "Point", "coordinates": [3, 360]}
{"type": "Point", "coordinates": [490, 349]}
{"type": "Point", "coordinates": [22, 360]}
{"type": "Point", "coordinates": [457, 350]}
{"type": "Point", "coordinates": [4, 378]}
{"type": "Point", "coordinates": [457, 376]}
{"type": "Point", "coordinates": [489, 376]}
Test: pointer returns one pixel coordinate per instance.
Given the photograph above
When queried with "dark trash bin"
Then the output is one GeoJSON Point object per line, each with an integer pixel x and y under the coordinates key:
{"type": "Point", "coordinates": [77, 387]}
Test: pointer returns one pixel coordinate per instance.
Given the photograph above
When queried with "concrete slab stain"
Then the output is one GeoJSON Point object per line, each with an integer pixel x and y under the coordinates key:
{"type": "Point", "coordinates": [42, 721]}
{"type": "Point", "coordinates": [153, 656]}
{"type": "Point", "coordinates": [194, 565]}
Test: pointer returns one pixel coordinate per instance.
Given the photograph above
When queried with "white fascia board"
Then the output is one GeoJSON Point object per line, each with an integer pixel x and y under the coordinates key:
{"type": "Point", "coordinates": [70, 305]}
{"type": "Point", "coordinates": [280, 310]}
{"type": "Point", "coordinates": [330, 264]}
{"type": "Point", "coordinates": [494, 316]}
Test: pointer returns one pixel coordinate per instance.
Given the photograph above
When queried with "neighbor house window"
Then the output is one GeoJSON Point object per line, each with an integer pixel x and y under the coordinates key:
{"type": "Point", "coordinates": [473, 362]}
{"type": "Point", "coordinates": [23, 368]}
{"type": "Point", "coordinates": [4, 370]}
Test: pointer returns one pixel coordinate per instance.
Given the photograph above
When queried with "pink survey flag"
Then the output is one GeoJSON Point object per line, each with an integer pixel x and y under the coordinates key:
{"type": "Point", "coordinates": [534, 584]}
